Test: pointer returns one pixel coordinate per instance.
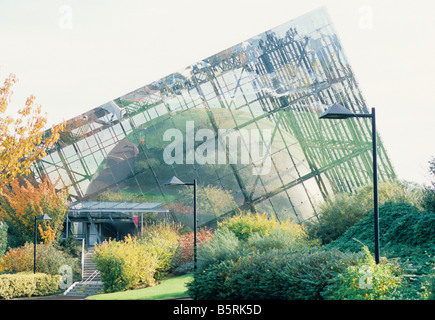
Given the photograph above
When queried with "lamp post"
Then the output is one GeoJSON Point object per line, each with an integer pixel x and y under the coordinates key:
{"type": "Point", "coordinates": [174, 181]}
{"type": "Point", "coordinates": [43, 217]}
{"type": "Point", "coordinates": [337, 111]}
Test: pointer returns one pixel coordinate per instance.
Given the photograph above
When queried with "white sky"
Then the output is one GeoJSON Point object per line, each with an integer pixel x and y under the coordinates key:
{"type": "Point", "coordinates": [75, 55]}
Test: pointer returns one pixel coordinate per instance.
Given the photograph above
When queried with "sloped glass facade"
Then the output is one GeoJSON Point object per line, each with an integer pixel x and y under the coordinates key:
{"type": "Point", "coordinates": [243, 122]}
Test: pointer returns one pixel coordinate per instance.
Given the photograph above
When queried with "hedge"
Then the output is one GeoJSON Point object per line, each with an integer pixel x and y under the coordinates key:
{"type": "Point", "coordinates": [27, 285]}
{"type": "Point", "coordinates": [275, 275]}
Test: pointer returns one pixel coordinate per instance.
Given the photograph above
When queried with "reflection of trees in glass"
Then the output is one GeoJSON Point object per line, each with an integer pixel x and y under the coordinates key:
{"type": "Point", "coordinates": [212, 202]}
{"type": "Point", "coordinates": [239, 178]}
{"type": "Point", "coordinates": [120, 196]}
{"type": "Point", "coordinates": [151, 145]}
{"type": "Point", "coordinates": [67, 137]}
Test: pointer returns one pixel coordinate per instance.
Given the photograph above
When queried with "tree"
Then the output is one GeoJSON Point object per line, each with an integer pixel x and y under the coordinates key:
{"type": "Point", "coordinates": [23, 201]}
{"type": "Point", "coordinates": [22, 140]}
{"type": "Point", "coordinates": [429, 192]}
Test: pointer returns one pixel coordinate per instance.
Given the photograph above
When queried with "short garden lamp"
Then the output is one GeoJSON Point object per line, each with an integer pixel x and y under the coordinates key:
{"type": "Point", "coordinates": [43, 217]}
{"type": "Point", "coordinates": [174, 181]}
{"type": "Point", "coordinates": [337, 111]}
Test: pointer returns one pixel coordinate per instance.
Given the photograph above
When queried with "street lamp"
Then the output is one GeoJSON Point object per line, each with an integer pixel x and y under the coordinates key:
{"type": "Point", "coordinates": [337, 111]}
{"type": "Point", "coordinates": [43, 217]}
{"type": "Point", "coordinates": [174, 181]}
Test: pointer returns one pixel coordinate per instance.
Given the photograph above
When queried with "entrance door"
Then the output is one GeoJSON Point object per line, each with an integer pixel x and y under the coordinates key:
{"type": "Point", "coordinates": [92, 234]}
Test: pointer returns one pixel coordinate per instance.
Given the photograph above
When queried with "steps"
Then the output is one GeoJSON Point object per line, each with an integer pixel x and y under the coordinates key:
{"type": "Point", "coordinates": [89, 266]}
{"type": "Point", "coordinates": [91, 285]}
{"type": "Point", "coordinates": [80, 289]}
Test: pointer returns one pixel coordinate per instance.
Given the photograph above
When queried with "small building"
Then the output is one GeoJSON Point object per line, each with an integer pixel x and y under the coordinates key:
{"type": "Point", "coordinates": [96, 221]}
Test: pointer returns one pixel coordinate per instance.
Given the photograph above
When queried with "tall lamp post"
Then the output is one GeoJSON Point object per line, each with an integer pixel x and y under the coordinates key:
{"type": "Point", "coordinates": [174, 181]}
{"type": "Point", "coordinates": [337, 111]}
{"type": "Point", "coordinates": [43, 217]}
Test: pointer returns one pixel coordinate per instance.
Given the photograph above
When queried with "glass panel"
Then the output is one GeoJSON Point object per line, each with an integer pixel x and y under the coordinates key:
{"type": "Point", "coordinates": [282, 206]}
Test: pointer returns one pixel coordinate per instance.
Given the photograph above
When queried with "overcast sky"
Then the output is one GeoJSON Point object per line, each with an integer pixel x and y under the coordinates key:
{"type": "Point", "coordinates": [75, 55]}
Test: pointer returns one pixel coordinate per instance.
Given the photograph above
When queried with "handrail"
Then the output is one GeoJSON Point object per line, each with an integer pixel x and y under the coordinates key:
{"type": "Point", "coordinates": [92, 277]}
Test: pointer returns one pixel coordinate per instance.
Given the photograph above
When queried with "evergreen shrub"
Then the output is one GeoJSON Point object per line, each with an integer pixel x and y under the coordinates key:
{"type": "Point", "coordinates": [274, 274]}
{"type": "Point", "coordinates": [28, 284]}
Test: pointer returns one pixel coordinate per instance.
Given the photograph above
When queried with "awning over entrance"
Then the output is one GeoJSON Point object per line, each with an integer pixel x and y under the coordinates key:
{"type": "Point", "coordinates": [97, 214]}
{"type": "Point", "coordinates": [125, 207]}
{"type": "Point", "coordinates": [105, 210]}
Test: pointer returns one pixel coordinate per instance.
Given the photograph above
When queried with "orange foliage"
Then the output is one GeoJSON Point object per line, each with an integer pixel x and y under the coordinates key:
{"type": "Point", "coordinates": [24, 201]}
{"type": "Point", "coordinates": [47, 235]}
{"type": "Point", "coordinates": [22, 140]}
{"type": "Point", "coordinates": [17, 260]}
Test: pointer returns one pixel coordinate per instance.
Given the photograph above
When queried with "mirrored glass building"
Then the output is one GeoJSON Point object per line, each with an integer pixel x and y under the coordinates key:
{"type": "Point", "coordinates": [243, 122]}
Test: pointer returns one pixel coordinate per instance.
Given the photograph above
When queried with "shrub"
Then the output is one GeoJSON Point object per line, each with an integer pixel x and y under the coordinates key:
{"type": "Point", "coordinates": [16, 260]}
{"type": "Point", "coordinates": [279, 238]}
{"type": "Point", "coordinates": [3, 237]}
{"type": "Point", "coordinates": [273, 275]}
{"type": "Point", "coordinates": [126, 264]}
{"type": "Point", "coordinates": [224, 246]}
{"type": "Point", "coordinates": [48, 260]}
{"type": "Point", "coordinates": [163, 241]}
{"type": "Point", "coordinates": [244, 234]}
{"type": "Point", "coordinates": [137, 262]}
{"type": "Point", "coordinates": [339, 213]}
{"type": "Point", "coordinates": [399, 223]}
{"type": "Point", "coordinates": [245, 225]}
{"type": "Point", "coordinates": [24, 284]}
{"type": "Point", "coordinates": [184, 252]}
{"type": "Point", "coordinates": [366, 280]}
{"type": "Point", "coordinates": [406, 233]}
{"type": "Point", "coordinates": [336, 216]}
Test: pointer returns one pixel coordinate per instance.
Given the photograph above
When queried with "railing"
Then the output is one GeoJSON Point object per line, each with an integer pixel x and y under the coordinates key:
{"type": "Point", "coordinates": [92, 277]}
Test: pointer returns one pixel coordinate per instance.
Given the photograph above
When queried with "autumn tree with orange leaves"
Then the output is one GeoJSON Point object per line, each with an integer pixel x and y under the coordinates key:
{"type": "Point", "coordinates": [24, 201]}
{"type": "Point", "coordinates": [23, 140]}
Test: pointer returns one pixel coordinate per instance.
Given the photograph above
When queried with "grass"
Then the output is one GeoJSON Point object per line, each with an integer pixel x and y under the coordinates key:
{"type": "Point", "coordinates": [170, 288]}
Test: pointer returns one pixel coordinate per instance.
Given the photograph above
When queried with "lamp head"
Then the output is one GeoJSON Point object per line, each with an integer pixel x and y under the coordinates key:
{"type": "Point", "coordinates": [44, 217]}
{"type": "Point", "coordinates": [337, 111]}
{"type": "Point", "coordinates": [174, 181]}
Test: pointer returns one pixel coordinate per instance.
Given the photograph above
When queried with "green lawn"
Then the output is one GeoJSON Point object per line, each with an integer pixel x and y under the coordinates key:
{"type": "Point", "coordinates": [168, 289]}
